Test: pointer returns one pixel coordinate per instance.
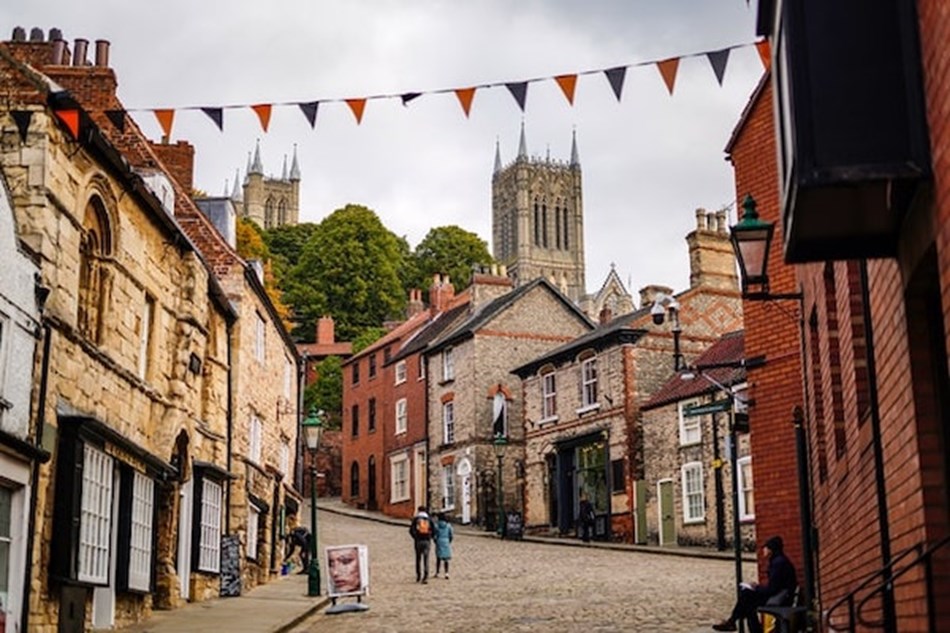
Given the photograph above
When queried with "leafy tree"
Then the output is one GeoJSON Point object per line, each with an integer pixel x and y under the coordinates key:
{"type": "Point", "coordinates": [366, 338]}
{"type": "Point", "coordinates": [287, 241]}
{"type": "Point", "coordinates": [251, 246]}
{"type": "Point", "coordinates": [327, 391]}
{"type": "Point", "coordinates": [350, 268]}
{"type": "Point", "coordinates": [449, 250]}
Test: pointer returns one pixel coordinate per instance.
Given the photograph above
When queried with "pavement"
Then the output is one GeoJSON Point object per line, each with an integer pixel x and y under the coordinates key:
{"type": "Point", "coordinates": [280, 605]}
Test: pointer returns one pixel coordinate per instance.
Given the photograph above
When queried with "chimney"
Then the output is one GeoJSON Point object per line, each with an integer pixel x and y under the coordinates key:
{"type": "Point", "coordinates": [19, 34]}
{"type": "Point", "coordinates": [648, 294]}
{"type": "Point", "coordinates": [605, 315]}
{"type": "Point", "coordinates": [179, 161]}
{"type": "Point", "coordinates": [102, 53]}
{"type": "Point", "coordinates": [55, 34]}
{"type": "Point", "coordinates": [325, 333]}
{"type": "Point", "coordinates": [489, 284]}
{"type": "Point", "coordinates": [712, 262]}
{"type": "Point", "coordinates": [441, 293]}
{"type": "Point", "coordinates": [36, 34]}
{"type": "Point", "coordinates": [415, 305]}
{"type": "Point", "coordinates": [79, 51]}
{"type": "Point", "coordinates": [59, 52]}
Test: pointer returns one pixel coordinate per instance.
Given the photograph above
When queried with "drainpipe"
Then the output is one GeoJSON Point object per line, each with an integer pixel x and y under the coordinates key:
{"type": "Point", "coordinates": [425, 361]}
{"type": "Point", "coordinates": [230, 423]}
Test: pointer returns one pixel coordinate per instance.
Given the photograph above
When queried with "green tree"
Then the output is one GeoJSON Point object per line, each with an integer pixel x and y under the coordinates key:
{"type": "Point", "coordinates": [350, 267]}
{"type": "Point", "coordinates": [327, 391]}
{"type": "Point", "coordinates": [368, 336]}
{"type": "Point", "coordinates": [449, 250]}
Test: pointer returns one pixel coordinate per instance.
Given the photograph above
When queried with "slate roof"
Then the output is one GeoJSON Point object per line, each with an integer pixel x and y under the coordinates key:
{"type": "Point", "coordinates": [730, 348]}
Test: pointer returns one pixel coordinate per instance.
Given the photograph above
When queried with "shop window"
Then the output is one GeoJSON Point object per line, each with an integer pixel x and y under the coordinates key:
{"type": "Point", "coordinates": [209, 526]}
{"type": "Point", "coordinates": [95, 519]}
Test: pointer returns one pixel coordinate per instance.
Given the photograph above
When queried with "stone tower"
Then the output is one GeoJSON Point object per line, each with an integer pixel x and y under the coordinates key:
{"type": "Point", "coordinates": [538, 219]}
{"type": "Point", "coordinates": [267, 200]}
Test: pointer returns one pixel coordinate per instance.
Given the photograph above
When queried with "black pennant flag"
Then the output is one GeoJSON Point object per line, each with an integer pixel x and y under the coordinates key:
{"type": "Point", "coordinates": [519, 91]}
{"type": "Point", "coordinates": [718, 61]}
{"type": "Point", "coordinates": [216, 115]}
{"type": "Point", "coordinates": [117, 118]}
{"type": "Point", "coordinates": [409, 96]}
{"type": "Point", "coordinates": [616, 76]}
{"type": "Point", "coordinates": [22, 119]}
{"type": "Point", "coordinates": [310, 111]}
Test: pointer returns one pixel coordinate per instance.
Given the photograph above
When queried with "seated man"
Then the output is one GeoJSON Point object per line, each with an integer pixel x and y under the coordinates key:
{"type": "Point", "coordinates": [299, 537]}
{"type": "Point", "coordinates": [781, 577]}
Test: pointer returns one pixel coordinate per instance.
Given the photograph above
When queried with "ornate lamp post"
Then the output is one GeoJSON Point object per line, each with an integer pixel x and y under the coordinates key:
{"type": "Point", "coordinates": [312, 429]}
{"type": "Point", "coordinates": [500, 444]}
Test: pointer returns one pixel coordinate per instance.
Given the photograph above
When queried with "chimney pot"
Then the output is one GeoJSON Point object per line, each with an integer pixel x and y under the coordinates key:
{"type": "Point", "coordinates": [55, 34]}
{"type": "Point", "coordinates": [59, 52]}
{"type": "Point", "coordinates": [700, 219]}
{"type": "Point", "coordinates": [19, 34]}
{"type": "Point", "coordinates": [36, 34]}
{"type": "Point", "coordinates": [102, 53]}
{"type": "Point", "coordinates": [79, 51]}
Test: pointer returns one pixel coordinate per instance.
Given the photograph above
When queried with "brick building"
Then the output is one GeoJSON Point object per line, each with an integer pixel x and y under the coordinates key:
{"type": "Point", "coordinates": [866, 245]}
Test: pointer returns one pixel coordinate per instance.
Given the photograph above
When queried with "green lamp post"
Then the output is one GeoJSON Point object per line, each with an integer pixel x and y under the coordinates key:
{"type": "Point", "coordinates": [500, 444]}
{"type": "Point", "coordinates": [312, 429]}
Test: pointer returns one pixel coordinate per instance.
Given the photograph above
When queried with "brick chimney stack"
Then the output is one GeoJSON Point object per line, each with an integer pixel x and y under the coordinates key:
{"type": "Point", "coordinates": [179, 159]}
{"type": "Point", "coordinates": [325, 333]}
{"type": "Point", "coordinates": [441, 293]}
{"type": "Point", "coordinates": [415, 305]}
{"type": "Point", "coordinates": [489, 283]}
{"type": "Point", "coordinates": [712, 262]}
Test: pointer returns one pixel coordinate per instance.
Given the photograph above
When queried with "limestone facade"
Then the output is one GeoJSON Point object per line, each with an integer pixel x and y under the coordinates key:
{"type": "Point", "coordinates": [267, 200]}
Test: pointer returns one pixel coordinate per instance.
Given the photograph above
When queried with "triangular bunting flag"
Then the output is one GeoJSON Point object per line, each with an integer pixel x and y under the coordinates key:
{"type": "Point", "coordinates": [262, 110]}
{"type": "Point", "coordinates": [519, 91]}
{"type": "Point", "coordinates": [71, 119]}
{"type": "Point", "coordinates": [165, 119]}
{"type": "Point", "coordinates": [117, 118]}
{"type": "Point", "coordinates": [718, 61]}
{"type": "Point", "coordinates": [465, 96]}
{"type": "Point", "coordinates": [22, 119]}
{"type": "Point", "coordinates": [765, 53]}
{"type": "Point", "coordinates": [668, 71]}
{"type": "Point", "coordinates": [310, 111]}
{"type": "Point", "coordinates": [356, 106]}
{"type": "Point", "coordinates": [567, 84]}
{"type": "Point", "coordinates": [409, 96]}
{"type": "Point", "coordinates": [216, 115]}
{"type": "Point", "coordinates": [616, 76]}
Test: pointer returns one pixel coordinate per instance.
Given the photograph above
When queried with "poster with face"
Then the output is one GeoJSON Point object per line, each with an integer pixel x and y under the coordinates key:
{"type": "Point", "coordinates": [347, 570]}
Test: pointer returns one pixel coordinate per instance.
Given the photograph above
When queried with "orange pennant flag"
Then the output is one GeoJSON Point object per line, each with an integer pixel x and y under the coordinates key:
{"type": "Point", "coordinates": [356, 106]}
{"type": "Point", "coordinates": [668, 69]}
{"type": "Point", "coordinates": [262, 110]}
{"type": "Point", "coordinates": [465, 96]}
{"type": "Point", "coordinates": [71, 119]}
{"type": "Point", "coordinates": [765, 53]}
{"type": "Point", "coordinates": [165, 119]}
{"type": "Point", "coordinates": [567, 84]}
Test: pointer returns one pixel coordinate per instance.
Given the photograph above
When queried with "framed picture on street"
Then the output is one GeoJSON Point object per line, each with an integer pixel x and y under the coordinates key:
{"type": "Point", "coordinates": [347, 570]}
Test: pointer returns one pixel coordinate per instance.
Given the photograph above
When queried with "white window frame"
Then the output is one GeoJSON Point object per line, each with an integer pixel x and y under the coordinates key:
{"type": "Point", "coordinates": [589, 383]}
{"type": "Point", "coordinates": [690, 426]}
{"type": "Point", "coordinates": [253, 524]}
{"type": "Point", "coordinates": [549, 396]}
{"type": "Point", "coordinates": [694, 494]}
{"type": "Point", "coordinates": [448, 487]}
{"type": "Point", "coordinates": [745, 488]}
{"type": "Point", "coordinates": [209, 541]}
{"type": "Point", "coordinates": [448, 364]}
{"type": "Point", "coordinates": [284, 461]}
{"type": "Point", "coordinates": [399, 475]}
{"type": "Point", "coordinates": [259, 339]}
{"type": "Point", "coordinates": [95, 524]}
{"type": "Point", "coordinates": [145, 336]}
{"type": "Point", "coordinates": [4, 335]}
{"type": "Point", "coordinates": [400, 372]}
{"type": "Point", "coordinates": [401, 416]}
{"type": "Point", "coordinates": [448, 422]}
{"type": "Point", "coordinates": [255, 435]}
{"type": "Point", "coordinates": [142, 529]}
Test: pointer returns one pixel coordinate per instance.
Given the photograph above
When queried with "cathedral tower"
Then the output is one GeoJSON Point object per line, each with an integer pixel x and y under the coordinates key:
{"type": "Point", "coordinates": [267, 200]}
{"type": "Point", "coordinates": [538, 219]}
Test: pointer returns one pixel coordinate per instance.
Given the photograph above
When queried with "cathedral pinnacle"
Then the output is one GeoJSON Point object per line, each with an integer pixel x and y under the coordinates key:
{"type": "Point", "coordinates": [236, 192]}
{"type": "Point", "coordinates": [497, 156]}
{"type": "Point", "coordinates": [257, 167]}
{"type": "Point", "coordinates": [575, 159]}
{"type": "Point", "coordinates": [522, 144]}
{"type": "Point", "coordinates": [283, 171]}
{"type": "Point", "coordinates": [294, 166]}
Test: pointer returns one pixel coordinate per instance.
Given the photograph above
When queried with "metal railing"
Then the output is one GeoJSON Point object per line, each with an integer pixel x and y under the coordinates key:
{"type": "Point", "coordinates": [855, 607]}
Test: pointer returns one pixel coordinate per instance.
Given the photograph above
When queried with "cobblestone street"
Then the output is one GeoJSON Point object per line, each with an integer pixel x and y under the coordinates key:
{"type": "Point", "coordinates": [525, 586]}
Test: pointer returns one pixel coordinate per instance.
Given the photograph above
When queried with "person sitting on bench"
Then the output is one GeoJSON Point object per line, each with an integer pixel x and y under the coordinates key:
{"type": "Point", "coordinates": [781, 578]}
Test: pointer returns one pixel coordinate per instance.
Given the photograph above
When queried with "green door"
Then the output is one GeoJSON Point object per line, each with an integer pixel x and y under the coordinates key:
{"type": "Point", "coordinates": [666, 509]}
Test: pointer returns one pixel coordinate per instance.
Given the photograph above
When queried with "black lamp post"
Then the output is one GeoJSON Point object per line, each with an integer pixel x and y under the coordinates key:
{"type": "Point", "coordinates": [662, 304]}
{"type": "Point", "coordinates": [500, 444]}
{"type": "Point", "coordinates": [313, 428]}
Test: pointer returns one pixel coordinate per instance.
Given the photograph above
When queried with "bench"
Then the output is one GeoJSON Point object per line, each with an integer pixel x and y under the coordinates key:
{"type": "Point", "coordinates": [789, 615]}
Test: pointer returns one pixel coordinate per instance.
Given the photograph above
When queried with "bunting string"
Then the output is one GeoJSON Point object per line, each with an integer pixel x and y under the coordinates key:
{"type": "Point", "coordinates": [718, 60]}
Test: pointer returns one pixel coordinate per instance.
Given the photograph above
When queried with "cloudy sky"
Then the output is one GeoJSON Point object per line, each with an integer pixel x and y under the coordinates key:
{"type": "Point", "coordinates": [648, 162]}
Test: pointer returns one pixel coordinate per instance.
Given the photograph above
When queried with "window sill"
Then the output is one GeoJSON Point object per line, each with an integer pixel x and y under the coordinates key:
{"type": "Point", "coordinates": [446, 381]}
{"type": "Point", "coordinates": [399, 382]}
{"type": "Point", "coordinates": [694, 521]}
{"type": "Point", "coordinates": [400, 432]}
{"type": "Point", "coordinates": [690, 444]}
{"type": "Point", "coordinates": [588, 408]}
{"type": "Point", "coordinates": [549, 420]}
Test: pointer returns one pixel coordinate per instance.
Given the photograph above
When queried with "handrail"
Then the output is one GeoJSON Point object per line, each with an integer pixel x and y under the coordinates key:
{"type": "Point", "coordinates": [924, 554]}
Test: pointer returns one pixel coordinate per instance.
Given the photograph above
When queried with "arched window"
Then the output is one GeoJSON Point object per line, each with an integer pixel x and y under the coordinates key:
{"type": "Point", "coordinates": [269, 214]}
{"type": "Point", "coordinates": [544, 225]}
{"type": "Point", "coordinates": [567, 230]}
{"type": "Point", "coordinates": [537, 224]}
{"type": "Point", "coordinates": [355, 480]}
{"type": "Point", "coordinates": [557, 227]}
{"type": "Point", "coordinates": [282, 212]}
{"type": "Point", "coordinates": [95, 244]}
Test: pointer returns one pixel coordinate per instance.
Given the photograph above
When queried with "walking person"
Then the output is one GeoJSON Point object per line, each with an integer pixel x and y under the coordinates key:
{"type": "Point", "coordinates": [422, 530]}
{"type": "Point", "coordinates": [586, 517]}
{"type": "Point", "coordinates": [443, 544]}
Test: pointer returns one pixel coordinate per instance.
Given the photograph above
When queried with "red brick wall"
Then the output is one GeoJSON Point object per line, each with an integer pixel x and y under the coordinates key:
{"type": "Point", "coordinates": [366, 444]}
{"type": "Point", "coordinates": [179, 159]}
{"type": "Point", "coordinates": [414, 391]}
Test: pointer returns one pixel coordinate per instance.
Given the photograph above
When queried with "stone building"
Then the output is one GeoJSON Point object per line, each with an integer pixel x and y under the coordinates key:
{"type": "Point", "coordinates": [131, 392]}
{"type": "Point", "coordinates": [538, 219]}
{"type": "Point", "coordinates": [610, 300]}
{"type": "Point", "coordinates": [267, 200]}
{"type": "Point", "coordinates": [583, 400]}
{"type": "Point", "coordinates": [687, 471]}
{"type": "Point", "coordinates": [473, 398]}
{"type": "Point", "coordinates": [21, 450]}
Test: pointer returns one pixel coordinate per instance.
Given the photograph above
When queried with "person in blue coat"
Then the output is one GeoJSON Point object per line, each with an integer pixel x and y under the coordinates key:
{"type": "Point", "coordinates": [443, 544]}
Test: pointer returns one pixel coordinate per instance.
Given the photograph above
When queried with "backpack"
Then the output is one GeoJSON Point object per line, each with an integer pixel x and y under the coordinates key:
{"type": "Point", "coordinates": [423, 527]}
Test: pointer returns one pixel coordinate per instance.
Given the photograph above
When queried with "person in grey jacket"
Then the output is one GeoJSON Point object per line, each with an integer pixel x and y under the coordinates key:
{"type": "Point", "coordinates": [422, 530]}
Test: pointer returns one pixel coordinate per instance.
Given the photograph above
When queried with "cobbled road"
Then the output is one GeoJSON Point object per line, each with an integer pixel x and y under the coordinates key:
{"type": "Point", "coordinates": [504, 586]}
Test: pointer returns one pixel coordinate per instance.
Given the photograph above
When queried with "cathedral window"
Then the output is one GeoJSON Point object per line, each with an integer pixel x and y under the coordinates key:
{"type": "Point", "coordinates": [544, 225]}
{"type": "Point", "coordinates": [269, 214]}
{"type": "Point", "coordinates": [95, 245]}
{"type": "Point", "coordinates": [567, 229]}
{"type": "Point", "coordinates": [557, 227]}
{"type": "Point", "coordinates": [282, 212]}
{"type": "Point", "coordinates": [537, 224]}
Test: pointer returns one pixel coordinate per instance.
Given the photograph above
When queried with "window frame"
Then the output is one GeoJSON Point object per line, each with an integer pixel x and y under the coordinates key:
{"type": "Point", "coordinates": [371, 416]}
{"type": "Point", "coordinates": [399, 476]}
{"type": "Point", "coordinates": [251, 531]}
{"type": "Point", "coordinates": [402, 417]}
{"type": "Point", "coordinates": [371, 366]}
{"type": "Point", "coordinates": [400, 372]}
{"type": "Point", "coordinates": [448, 422]}
{"type": "Point", "coordinates": [589, 380]}
{"type": "Point", "coordinates": [141, 527]}
{"type": "Point", "coordinates": [549, 396]}
{"type": "Point", "coordinates": [688, 424]}
{"type": "Point", "coordinates": [96, 517]}
{"type": "Point", "coordinates": [745, 488]}
{"type": "Point", "coordinates": [448, 364]}
{"type": "Point", "coordinates": [355, 373]}
{"type": "Point", "coordinates": [448, 487]}
{"type": "Point", "coordinates": [255, 439]}
{"type": "Point", "coordinates": [686, 470]}
{"type": "Point", "coordinates": [209, 505]}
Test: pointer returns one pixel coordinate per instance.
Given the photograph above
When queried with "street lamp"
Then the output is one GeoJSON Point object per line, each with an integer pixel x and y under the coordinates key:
{"type": "Point", "coordinates": [662, 304]}
{"type": "Point", "coordinates": [500, 444]}
{"type": "Point", "coordinates": [312, 429]}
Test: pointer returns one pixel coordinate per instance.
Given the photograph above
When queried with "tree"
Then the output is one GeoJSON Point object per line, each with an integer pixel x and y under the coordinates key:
{"type": "Point", "coordinates": [250, 246]}
{"type": "Point", "coordinates": [326, 392]}
{"type": "Point", "coordinates": [350, 267]}
{"type": "Point", "coordinates": [449, 250]}
{"type": "Point", "coordinates": [369, 336]}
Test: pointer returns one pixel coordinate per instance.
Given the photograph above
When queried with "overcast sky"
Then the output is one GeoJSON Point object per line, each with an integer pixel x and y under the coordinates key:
{"type": "Point", "coordinates": [648, 162]}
